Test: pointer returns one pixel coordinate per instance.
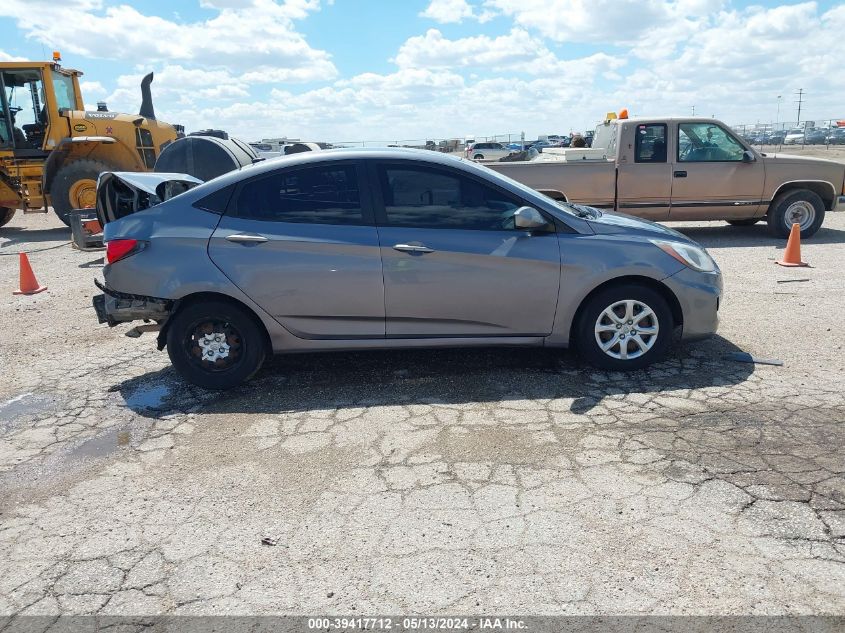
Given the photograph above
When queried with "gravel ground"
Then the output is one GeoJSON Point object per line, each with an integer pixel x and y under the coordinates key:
{"type": "Point", "coordinates": [513, 481]}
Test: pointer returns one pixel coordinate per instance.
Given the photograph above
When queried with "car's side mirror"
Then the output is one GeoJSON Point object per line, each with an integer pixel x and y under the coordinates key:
{"type": "Point", "coordinates": [528, 218]}
{"type": "Point", "coordinates": [748, 156]}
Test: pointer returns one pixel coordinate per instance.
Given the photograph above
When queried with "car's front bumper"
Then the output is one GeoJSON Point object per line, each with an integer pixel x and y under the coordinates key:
{"type": "Point", "coordinates": [699, 295]}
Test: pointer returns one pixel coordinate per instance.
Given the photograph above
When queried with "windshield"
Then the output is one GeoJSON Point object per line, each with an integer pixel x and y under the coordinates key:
{"type": "Point", "coordinates": [65, 94]}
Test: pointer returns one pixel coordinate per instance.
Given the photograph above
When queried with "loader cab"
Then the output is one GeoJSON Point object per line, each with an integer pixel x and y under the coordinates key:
{"type": "Point", "coordinates": [31, 101]}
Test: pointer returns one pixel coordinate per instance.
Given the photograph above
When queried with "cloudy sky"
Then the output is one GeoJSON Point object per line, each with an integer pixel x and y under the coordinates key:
{"type": "Point", "coordinates": [384, 70]}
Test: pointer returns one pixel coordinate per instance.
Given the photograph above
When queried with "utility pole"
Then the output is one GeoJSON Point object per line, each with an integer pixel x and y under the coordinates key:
{"type": "Point", "coordinates": [800, 102]}
{"type": "Point", "coordinates": [693, 110]}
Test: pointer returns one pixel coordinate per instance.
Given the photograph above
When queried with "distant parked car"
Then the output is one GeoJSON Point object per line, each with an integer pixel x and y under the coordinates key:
{"type": "Point", "coordinates": [539, 145]}
{"type": "Point", "coordinates": [489, 151]}
{"type": "Point", "coordinates": [794, 137]}
{"type": "Point", "coordinates": [816, 137]}
{"type": "Point", "coordinates": [836, 136]}
{"type": "Point", "coordinates": [775, 138]}
{"type": "Point", "coordinates": [376, 249]}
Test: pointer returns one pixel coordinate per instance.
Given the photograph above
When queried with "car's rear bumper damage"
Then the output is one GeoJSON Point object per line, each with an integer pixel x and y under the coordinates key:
{"type": "Point", "coordinates": [115, 307]}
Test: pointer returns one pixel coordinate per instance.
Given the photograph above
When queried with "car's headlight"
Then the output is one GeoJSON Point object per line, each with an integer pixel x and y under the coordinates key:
{"type": "Point", "coordinates": [689, 255]}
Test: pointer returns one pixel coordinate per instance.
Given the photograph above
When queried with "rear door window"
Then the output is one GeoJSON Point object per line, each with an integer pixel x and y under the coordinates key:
{"type": "Point", "coordinates": [650, 144]}
{"type": "Point", "coordinates": [325, 194]}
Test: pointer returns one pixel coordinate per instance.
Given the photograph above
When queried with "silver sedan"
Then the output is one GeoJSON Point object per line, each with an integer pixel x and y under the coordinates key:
{"type": "Point", "coordinates": [365, 249]}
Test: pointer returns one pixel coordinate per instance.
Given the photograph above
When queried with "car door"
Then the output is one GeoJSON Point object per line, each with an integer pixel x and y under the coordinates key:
{"type": "Point", "coordinates": [713, 177]}
{"type": "Point", "coordinates": [644, 186]}
{"type": "Point", "coordinates": [301, 243]}
{"type": "Point", "coordinates": [454, 263]}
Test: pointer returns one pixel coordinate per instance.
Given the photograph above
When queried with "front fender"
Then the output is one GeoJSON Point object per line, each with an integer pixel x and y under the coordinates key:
{"type": "Point", "coordinates": [587, 263]}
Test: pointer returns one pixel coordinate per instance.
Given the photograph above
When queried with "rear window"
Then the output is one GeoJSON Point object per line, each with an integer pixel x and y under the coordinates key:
{"type": "Point", "coordinates": [650, 143]}
{"type": "Point", "coordinates": [216, 202]}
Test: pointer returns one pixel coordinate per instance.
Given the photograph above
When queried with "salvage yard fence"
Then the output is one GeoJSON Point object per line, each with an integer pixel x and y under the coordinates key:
{"type": "Point", "coordinates": [452, 144]}
{"type": "Point", "coordinates": [825, 132]}
{"type": "Point", "coordinates": [828, 132]}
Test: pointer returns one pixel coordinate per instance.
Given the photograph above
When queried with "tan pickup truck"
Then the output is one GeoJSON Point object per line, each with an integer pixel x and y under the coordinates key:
{"type": "Point", "coordinates": [688, 169]}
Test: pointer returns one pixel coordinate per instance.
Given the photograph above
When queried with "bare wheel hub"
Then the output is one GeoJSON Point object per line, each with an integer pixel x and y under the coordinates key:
{"type": "Point", "coordinates": [214, 347]}
{"type": "Point", "coordinates": [800, 212]}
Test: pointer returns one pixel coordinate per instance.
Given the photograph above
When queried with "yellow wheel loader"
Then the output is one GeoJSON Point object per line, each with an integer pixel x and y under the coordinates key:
{"type": "Point", "coordinates": [52, 150]}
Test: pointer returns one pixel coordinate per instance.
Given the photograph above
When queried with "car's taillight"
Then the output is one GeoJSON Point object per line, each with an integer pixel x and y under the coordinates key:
{"type": "Point", "coordinates": [118, 249]}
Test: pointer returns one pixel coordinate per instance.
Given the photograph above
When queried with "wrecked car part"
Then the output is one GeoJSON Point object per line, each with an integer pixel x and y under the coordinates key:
{"type": "Point", "coordinates": [122, 193]}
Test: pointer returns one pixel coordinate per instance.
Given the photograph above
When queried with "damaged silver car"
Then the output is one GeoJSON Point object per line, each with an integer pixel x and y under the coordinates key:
{"type": "Point", "coordinates": [373, 249]}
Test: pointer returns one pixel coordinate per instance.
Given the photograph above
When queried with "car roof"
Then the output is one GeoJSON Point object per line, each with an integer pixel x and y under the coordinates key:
{"type": "Point", "coordinates": [316, 157]}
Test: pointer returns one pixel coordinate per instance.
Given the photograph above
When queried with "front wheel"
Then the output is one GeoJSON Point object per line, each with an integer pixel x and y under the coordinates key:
{"type": "Point", "coordinates": [6, 215]}
{"type": "Point", "coordinates": [75, 187]}
{"type": "Point", "coordinates": [799, 206]}
{"type": "Point", "coordinates": [624, 328]}
{"type": "Point", "coordinates": [215, 344]}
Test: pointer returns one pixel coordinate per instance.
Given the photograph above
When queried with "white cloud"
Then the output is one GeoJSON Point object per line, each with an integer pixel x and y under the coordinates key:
{"type": "Point", "coordinates": [446, 11]}
{"type": "Point", "coordinates": [515, 51]}
{"type": "Point", "coordinates": [92, 89]}
{"type": "Point", "coordinates": [736, 64]}
{"type": "Point", "coordinates": [257, 37]}
{"type": "Point", "coordinates": [6, 57]}
{"type": "Point", "coordinates": [238, 70]}
{"type": "Point", "coordinates": [432, 50]}
{"type": "Point", "coordinates": [179, 85]}
{"type": "Point", "coordinates": [600, 21]}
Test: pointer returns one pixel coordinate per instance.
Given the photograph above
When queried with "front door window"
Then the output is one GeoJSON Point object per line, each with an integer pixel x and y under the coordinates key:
{"type": "Point", "coordinates": [707, 143]}
{"type": "Point", "coordinates": [426, 198]}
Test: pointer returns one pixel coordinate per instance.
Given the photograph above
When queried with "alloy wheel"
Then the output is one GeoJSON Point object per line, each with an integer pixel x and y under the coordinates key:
{"type": "Point", "coordinates": [626, 329]}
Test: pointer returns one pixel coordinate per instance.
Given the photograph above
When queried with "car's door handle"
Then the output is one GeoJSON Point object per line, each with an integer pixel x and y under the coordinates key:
{"type": "Point", "coordinates": [680, 174]}
{"type": "Point", "coordinates": [246, 238]}
{"type": "Point", "coordinates": [413, 248]}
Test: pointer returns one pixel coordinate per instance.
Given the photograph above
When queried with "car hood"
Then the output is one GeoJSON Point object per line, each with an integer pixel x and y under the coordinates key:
{"type": "Point", "coordinates": [611, 222]}
{"type": "Point", "coordinates": [122, 193]}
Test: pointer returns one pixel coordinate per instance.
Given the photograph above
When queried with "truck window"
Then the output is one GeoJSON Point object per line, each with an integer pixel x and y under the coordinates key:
{"type": "Point", "coordinates": [707, 142]}
{"type": "Point", "coordinates": [63, 89]}
{"type": "Point", "coordinates": [650, 146]}
{"type": "Point", "coordinates": [27, 113]}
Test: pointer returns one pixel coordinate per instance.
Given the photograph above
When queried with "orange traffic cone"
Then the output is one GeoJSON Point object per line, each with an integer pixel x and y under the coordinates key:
{"type": "Point", "coordinates": [29, 284]}
{"type": "Point", "coordinates": [792, 254]}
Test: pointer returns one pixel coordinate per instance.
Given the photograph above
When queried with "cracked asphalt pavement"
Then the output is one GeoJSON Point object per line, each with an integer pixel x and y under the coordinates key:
{"type": "Point", "coordinates": [468, 481]}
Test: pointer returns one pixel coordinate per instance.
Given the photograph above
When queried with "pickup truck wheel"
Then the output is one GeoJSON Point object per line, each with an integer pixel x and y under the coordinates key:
{"type": "Point", "coordinates": [6, 215]}
{"type": "Point", "coordinates": [75, 187]}
{"type": "Point", "coordinates": [215, 344]}
{"type": "Point", "coordinates": [799, 206]}
{"type": "Point", "coordinates": [745, 222]}
{"type": "Point", "coordinates": [478, 157]}
{"type": "Point", "coordinates": [624, 328]}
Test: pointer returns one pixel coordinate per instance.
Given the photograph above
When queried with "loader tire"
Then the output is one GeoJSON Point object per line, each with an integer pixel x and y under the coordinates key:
{"type": "Point", "coordinates": [6, 215]}
{"type": "Point", "coordinates": [75, 187]}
